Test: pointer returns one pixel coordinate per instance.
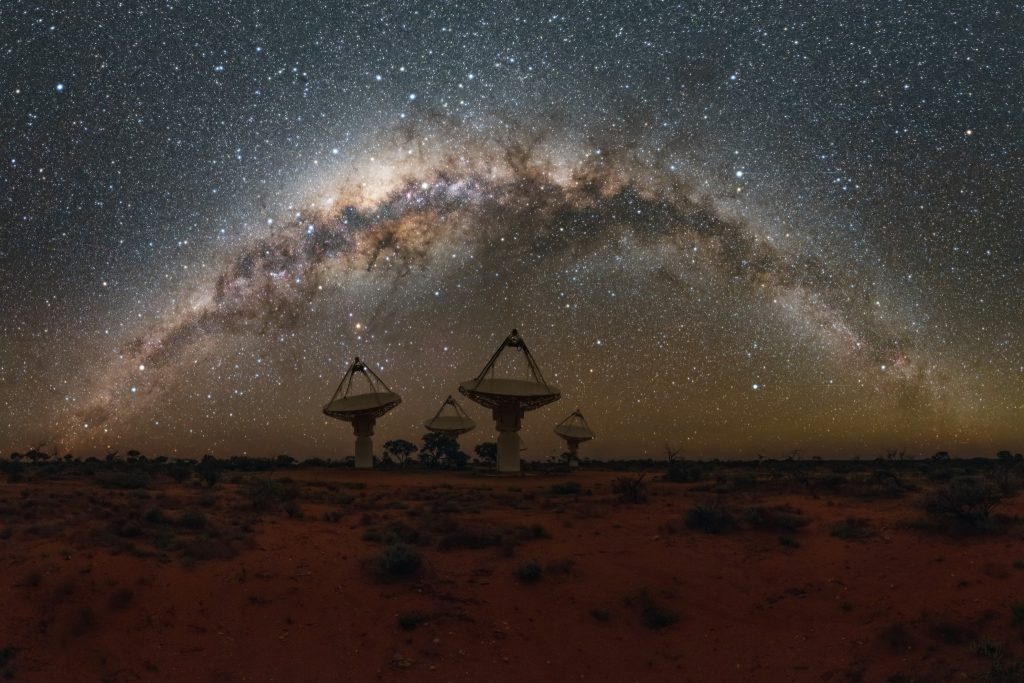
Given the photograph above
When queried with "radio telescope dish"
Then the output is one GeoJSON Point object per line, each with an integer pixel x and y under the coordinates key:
{"type": "Point", "coordinates": [575, 430]}
{"type": "Point", "coordinates": [450, 419]}
{"type": "Point", "coordinates": [361, 398]}
{"type": "Point", "coordinates": [509, 397]}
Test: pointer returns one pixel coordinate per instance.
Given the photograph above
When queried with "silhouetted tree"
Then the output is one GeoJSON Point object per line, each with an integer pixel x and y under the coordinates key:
{"type": "Point", "coordinates": [208, 470]}
{"type": "Point", "coordinates": [400, 450]}
{"type": "Point", "coordinates": [284, 460]}
{"type": "Point", "coordinates": [487, 451]}
{"type": "Point", "coordinates": [36, 455]}
{"type": "Point", "coordinates": [941, 456]}
{"type": "Point", "coordinates": [441, 450]}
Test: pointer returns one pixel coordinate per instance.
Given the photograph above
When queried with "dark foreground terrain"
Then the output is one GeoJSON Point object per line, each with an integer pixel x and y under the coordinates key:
{"type": "Point", "coordinates": [788, 571]}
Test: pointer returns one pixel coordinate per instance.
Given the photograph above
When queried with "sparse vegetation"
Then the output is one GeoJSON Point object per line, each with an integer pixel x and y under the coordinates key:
{"type": "Point", "coordinates": [654, 614]}
{"type": "Point", "coordinates": [409, 621]}
{"type": "Point", "coordinates": [779, 518]}
{"type": "Point", "coordinates": [397, 561]}
{"type": "Point", "coordinates": [853, 528]}
{"type": "Point", "coordinates": [529, 572]}
{"type": "Point", "coordinates": [966, 501]}
{"type": "Point", "coordinates": [711, 518]}
{"type": "Point", "coordinates": [631, 489]}
{"type": "Point", "coordinates": [566, 488]}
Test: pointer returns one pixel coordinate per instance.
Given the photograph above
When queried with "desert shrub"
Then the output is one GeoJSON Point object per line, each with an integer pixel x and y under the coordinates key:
{"type": "Point", "coordinates": [630, 489]}
{"type": "Point", "coordinates": [208, 548]}
{"type": "Point", "coordinates": [852, 528]}
{"type": "Point", "coordinates": [1017, 614]}
{"type": "Point", "coordinates": [529, 572]}
{"type": "Point", "coordinates": [265, 493]}
{"type": "Point", "coordinates": [180, 473]}
{"type": "Point", "coordinates": [788, 542]}
{"type": "Point", "coordinates": [711, 518]}
{"type": "Point", "coordinates": [395, 532]}
{"type": "Point", "coordinates": [781, 518]}
{"type": "Point", "coordinates": [683, 472]}
{"type": "Point", "coordinates": [601, 614]}
{"type": "Point", "coordinates": [989, 649]}
{"type": "Point", "coordinates": [967, 501]}
{"type": "Point", "coordinates": [133, 479]}
{"type": "Point", "coordinates": [193, 520]}
{"type": "Point", "coordinates": [154, 516]}
{"type": "Point", "coordinates": [1003, 671]}
{"type": "Point", "coordinates": [397, 560]}
{"type": "Point", "coordinates": [410, 620]}
{"type": "Point", "coordinates": [292, 509]}
{"type": "Point", "coordinates": [531, 532]}
{"type": "Point", "coordinates": [654, 614]}
{"type": "Point", "coordinates": [469, 538]}
{"type": "Point", "coordinates": [6, 657]}
{"type": "Point", "coordinates": [830, 481]}
{"type": "Point", "coordinates": [950, 632]}
{"type": "Point", "coordinates": [568, 488]}
{"type": "Point", "coordinates": [208, 499]}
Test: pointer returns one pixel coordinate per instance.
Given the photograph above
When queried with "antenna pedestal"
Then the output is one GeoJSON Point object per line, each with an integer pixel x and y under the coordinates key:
{"type": "Point", "coordinates": [508, 419]}
{"type": "Point", "coordinates": [574, 452]}
{"type": "Point", "coordinates": [363, 428]}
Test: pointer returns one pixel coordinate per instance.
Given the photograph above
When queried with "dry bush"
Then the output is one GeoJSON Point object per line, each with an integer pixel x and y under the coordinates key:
{"type": "Point", "coordinates": [966, 501]}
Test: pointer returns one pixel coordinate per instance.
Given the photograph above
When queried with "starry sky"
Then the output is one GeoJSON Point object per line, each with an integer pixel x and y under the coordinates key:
{"type": "Point", "coordinates": [738, 228]}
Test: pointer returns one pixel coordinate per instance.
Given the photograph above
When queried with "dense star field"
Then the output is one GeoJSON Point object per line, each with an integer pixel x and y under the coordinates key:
{"type": "Point", "coordinates": [736, 228]}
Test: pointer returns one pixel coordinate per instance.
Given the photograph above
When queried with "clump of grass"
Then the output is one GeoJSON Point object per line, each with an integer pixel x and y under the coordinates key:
{"type": "Point", "coordinates": [711, 518]}
{"type": "Point", "coordinates": [788, 542]}
{"type": "Point", "coordinates": [193, 520]}
{"type": "Point", "coordinates": [6, 657]}
{"type": "Point", "coordinates": [655, 615]}
{"type": "Point", "coordinates": [396, 561]}
{"type": "Point", "coordinates": [897, 637]}
{"type": "Point", "coordinates": [682, 472]}
{"type": "Point", "coordinates": [951, 632]}
{"type": "Point", "coordinates": [134, 479]}
{"type": "Point", "coordinates": [529, 572]}
{"type": "Point", "coordinates": [154, 516]}
{"type": "Point", "coordinates": [408, 621]}
{"type": "Point", "coordinates": [265, 493]}
{"type": "Point", "coordinates": [989, 649]}
{"type": "Point", "coordinates": [780, 518]}
{"type": "Point", "coordinates": [853, 528]}
{"type": "Point", "coordinates": [1017, 615]}
{"type": "Point", "coordinates": [630, 489]}
{"type": "Point", "coordinates": [568, 488]}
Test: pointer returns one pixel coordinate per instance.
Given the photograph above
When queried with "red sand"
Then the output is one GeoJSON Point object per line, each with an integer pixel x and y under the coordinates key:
{"type": "Point", "coordinates": [300, 605]}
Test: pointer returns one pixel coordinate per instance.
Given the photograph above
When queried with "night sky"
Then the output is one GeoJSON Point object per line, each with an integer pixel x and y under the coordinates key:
{"type": "Point", "coordinates": [736, 228]}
